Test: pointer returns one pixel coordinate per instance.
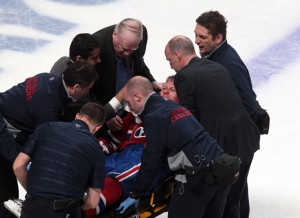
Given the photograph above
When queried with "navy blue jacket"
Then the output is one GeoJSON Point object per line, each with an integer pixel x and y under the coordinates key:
{"type": "Point", "coordinates": [66, 160]}
{"type": "Point", "coordinates": [174, 137]}
{"type": "Point", "coordinates": [229, 58]}
{"type": "Point", "coordinates": [37, 100]}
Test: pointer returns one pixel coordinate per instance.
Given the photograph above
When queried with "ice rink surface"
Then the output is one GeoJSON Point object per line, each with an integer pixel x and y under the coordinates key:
{"type": "Point", "coordinates": [266, 34]}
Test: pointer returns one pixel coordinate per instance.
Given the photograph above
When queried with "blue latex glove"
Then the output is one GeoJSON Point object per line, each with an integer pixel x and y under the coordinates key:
{"type": "Point", "coordinates": [127, 203]}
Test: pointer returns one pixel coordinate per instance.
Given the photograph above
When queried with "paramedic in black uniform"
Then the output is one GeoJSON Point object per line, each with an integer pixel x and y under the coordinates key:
{"type": "Point", "coordinates": [37, 100]}
{"type": "Point", "coordinates": [66, 161]}
{"type": "Point", "coordinates": [175, 138]}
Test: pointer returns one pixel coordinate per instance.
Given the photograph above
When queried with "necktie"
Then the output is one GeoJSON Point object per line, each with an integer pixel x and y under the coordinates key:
{"type": "Point", "coordinates": [122, 74]}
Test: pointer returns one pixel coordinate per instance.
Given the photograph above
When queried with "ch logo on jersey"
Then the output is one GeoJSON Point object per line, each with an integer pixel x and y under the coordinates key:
{"type": "Point", "coordinates": [139, 132]}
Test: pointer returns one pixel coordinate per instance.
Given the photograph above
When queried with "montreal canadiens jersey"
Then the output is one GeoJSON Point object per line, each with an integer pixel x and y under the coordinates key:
{"type": "Point", "coordinates": [131, 133]}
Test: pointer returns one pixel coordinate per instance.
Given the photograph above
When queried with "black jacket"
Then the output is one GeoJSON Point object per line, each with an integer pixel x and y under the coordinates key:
{"type": "Point", "coordinates": [66, 160]}
{"type": "Point", "coordinates": [37, 100]}
{"type": "Point", "coordinates": [229, 58]}
{"type": "Point", "coordinates": [174, 137]}
{"type": "Point", "coordinates": [207, 90]}
{"type": "Point", "coordinates": [105, 88]}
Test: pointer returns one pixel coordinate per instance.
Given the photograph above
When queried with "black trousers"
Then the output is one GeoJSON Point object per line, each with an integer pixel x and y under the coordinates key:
{"type": "Point", "coordinates": [37, 207]}
{"type": "Point", "coordinates": [9, 149]}
{"type": "Point", "coordinates": [207, 201]}
{"type": "Point", "coordinates": [8, 186]}
{"type": "Point", "coordinates": [237, 203]}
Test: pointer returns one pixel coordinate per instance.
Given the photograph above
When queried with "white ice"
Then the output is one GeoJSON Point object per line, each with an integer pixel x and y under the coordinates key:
{"type": "Point", "coordinates": [254, 28]}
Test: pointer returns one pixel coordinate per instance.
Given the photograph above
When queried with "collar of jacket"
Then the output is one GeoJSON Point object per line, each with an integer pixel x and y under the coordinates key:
{"type": "Point", "coordinates": [80, 124]}
{"type": "Point", "coordinates": [210, 54]}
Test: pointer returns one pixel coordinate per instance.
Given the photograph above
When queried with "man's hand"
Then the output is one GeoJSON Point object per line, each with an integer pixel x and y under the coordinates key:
{"type": "Point", "coordinates": [115, 124]}
{"type": "Point", "coordinates": [126, 204]}
{"type": "Point", "coordinates": [157, 86]}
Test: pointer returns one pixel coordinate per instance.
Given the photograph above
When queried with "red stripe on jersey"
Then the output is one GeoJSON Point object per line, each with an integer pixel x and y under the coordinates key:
{"type": "Point", "coordinates": [128, 173]}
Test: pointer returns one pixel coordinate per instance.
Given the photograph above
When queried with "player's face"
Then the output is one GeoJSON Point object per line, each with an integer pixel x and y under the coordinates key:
{"type": "Point", "coordinates": [205, 40]}
{"type": "Point", "coordinates": [169, 91]}
{"type": "Point", "coordinates": [94, 58]}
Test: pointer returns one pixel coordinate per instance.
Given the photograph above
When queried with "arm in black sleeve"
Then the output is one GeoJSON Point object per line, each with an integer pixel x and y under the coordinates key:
{"type": "Point", "coordinates": [110, 112]}
{"type": "Point", "coordinates": [152, 157]}
{"type": "Point", "coordinates": [186, 93]}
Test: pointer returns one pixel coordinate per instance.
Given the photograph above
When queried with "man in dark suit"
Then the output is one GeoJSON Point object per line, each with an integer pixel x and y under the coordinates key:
{"type": "Point", "coordinates": [207, 90]}
{"type": "Point", "coordinates": [210, 37]}
{"type": "Point", "coordinates": [122, 50]}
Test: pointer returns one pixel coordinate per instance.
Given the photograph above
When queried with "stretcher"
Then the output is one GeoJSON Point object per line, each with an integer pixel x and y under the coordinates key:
{"type": "Point", "coordinates": [151, 206]}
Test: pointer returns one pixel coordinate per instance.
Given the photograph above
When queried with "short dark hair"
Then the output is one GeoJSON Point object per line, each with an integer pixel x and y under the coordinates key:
{"type": "Point", "coordinates": [81, 73]}
{"type": "Point", "coordinates": [95, 113]}
{"type": "Point", "coordinates": [214, 22]}
{"type": "Point", "coordinates": [83, 44]}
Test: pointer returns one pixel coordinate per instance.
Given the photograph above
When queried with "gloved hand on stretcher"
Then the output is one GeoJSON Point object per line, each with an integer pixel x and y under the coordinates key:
{"type": "Point", "coordinates": [126, 204]}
